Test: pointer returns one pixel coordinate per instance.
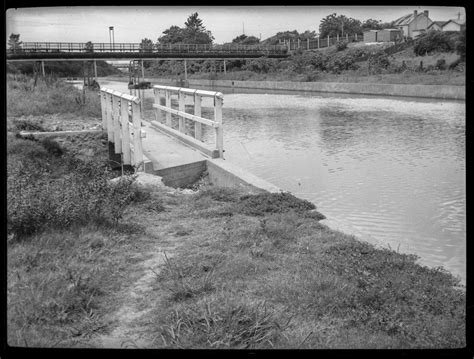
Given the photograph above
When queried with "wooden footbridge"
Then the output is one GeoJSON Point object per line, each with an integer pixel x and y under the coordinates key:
{"type": "Point", "coordinates": [170, 145]}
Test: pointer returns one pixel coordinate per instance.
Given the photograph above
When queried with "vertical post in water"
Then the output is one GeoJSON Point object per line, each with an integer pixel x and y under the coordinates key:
{"type": "Point", "coordinates": [197, 112]}
{"type": "Point", "coordinates": [116, 117]}
{"type": "Point", "coordinates": [168, 104]}
{"type": "Point", "coordinates": [181, 108]}
{"type": "Point", "coordinates": [137, 136]}
{"type": "Point", "coordinates": [125, 131]}
{"type": "Point", "coordinates": [219, 129]}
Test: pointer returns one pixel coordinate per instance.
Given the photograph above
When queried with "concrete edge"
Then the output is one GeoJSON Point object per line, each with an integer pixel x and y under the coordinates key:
{"type": "Point", "coordinates": [58, 133]}
{"type": "Point", "coordinates": [195, 144]}
{"type": "Point", "coordinates": [223, 173]}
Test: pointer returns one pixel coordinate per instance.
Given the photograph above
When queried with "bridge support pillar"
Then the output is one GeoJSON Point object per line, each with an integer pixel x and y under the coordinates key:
{"type": "Point", "coordinates": [95, 70]}
{"type": "Point", "coordinates": [225, 69]}
{"type": "Point", "coordinates": [42, 68]}
{"type": "Point", "coordinates": [185, 70]}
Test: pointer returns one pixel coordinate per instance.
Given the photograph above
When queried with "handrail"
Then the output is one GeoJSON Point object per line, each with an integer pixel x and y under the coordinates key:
{"type": "Point", "coordinates": [117, 111]}
{"type": "Point", "coordinates": [137, 47]}
{"type": "Point", "coordinates": [198, 120]}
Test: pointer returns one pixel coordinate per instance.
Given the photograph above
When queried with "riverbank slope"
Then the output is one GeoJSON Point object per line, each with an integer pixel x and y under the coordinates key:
{"type": "Point", "coordinates": [207, 267]}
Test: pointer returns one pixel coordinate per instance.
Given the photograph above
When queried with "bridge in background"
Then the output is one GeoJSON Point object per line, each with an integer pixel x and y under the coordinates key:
{"type": "Point", "coordinates": [54, 51]}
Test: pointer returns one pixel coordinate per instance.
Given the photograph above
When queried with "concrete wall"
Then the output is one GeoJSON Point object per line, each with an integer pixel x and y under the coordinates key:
{"type": "Point", "coordinates": [425, 91]}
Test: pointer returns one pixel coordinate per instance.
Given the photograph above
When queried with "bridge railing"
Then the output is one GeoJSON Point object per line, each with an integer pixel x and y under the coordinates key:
{"type": "Point", "coordinates": [137, 47]}
{"type": "Point", "coordinates": [121, 118]}
{"type": "Point", "coordinates": [163, 94]}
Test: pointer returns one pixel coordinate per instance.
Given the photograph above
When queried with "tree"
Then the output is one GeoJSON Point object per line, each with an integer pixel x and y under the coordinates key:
{"type": "Point", "coordinates": [89, 46]}
{"type": "Point", "coordinates": [372, 24]}
{"type": "Point", "coordinates": [173, 35]}
{"type": "Point", "coordinates": [194, 32]}
{"type": "Point", "coordinates": [246, 40]}
{"type": "Point", "coordinates": [332, 25]}
{"type": "Point", "coordinates": [146, 45]}
{"type": "Point", "coordinates": [14, 42]}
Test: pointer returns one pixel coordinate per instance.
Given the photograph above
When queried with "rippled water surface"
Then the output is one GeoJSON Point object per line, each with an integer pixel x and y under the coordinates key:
{"type": "Point", "coordinates": [390, 169]}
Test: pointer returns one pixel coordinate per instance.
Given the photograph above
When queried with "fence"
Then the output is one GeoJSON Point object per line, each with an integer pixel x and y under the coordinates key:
{"type": "Point", "coordinates": [311, 44]}
{"type": "Point", "coordinates": [121, 118]}
{"type": "Point", "coordinates": [163, 94]}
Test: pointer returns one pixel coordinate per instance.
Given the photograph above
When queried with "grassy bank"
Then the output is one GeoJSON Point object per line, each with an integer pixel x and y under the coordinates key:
{"type": "Point", "coordinates": [234, 270]}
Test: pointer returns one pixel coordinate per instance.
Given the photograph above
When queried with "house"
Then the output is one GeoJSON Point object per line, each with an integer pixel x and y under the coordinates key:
{"type": "Point", "coordinates": [385, 35]}
{"type": "Point", "coordinates": [370, 36]}
{"type": "Point", "coordinates": [454, 25]}
{"type": "Point", "coordinates": [436, 25]}
{"type": "Point", "coordinates": [389, 35]}
{"type": "Point", "coordinates": [414, 24]}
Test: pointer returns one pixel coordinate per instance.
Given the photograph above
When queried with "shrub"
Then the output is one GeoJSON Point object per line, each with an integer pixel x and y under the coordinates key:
{"type": "Point", "coordinates": [441, 64]}
{"type": "Point", "coordinates": [341, 45]}
{"type": "Point", "coordinates": [433, 41]}
{"type": "Point", "coordinates": [37, 200]}
{"type": "Point", "coordinates": [341, 62]}
{"type": "Point", "coordinates": [27, 125]}
{"type": "Point", "coordinates": [378, 62]}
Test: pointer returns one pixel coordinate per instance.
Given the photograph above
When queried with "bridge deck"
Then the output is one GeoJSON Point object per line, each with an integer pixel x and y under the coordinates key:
{"type": "Point", "coordinates": [177, 163]}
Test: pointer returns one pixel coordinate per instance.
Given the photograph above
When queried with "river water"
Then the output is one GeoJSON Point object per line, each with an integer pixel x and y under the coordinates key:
{"type": "Point", "coordinates": [391, 170]}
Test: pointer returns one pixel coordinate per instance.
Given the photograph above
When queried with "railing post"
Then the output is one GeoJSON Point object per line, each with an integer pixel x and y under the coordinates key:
{"type": "Point", "coordinates": [181, 107]}
{"type": "Point", "coordinates": [103, 105]}
{"type": "Point", "coordinates": [125, 132]}
{"type": "Point", "coordinates": [110, 119]}
{"type": "Point", "coordinates": [137, 136]}
{"type": "Point", "coordinates": [168, 104]}
{"type": "Point", "coordinates": [197, 112]}
{"type": "Point", "coordinates": [158, 113]}
{"type": "Point", "coordinates": [116, 117]}
{"type": "Point", "coordinates": [219, 129]}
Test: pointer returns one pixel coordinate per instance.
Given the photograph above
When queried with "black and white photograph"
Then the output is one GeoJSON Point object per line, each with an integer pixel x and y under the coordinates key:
{"type": "Point", "coordinates": [236, 177]}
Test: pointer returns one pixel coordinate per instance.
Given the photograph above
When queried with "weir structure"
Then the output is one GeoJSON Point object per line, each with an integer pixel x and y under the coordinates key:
{"type": "Point", "coordinates": [171, 145]}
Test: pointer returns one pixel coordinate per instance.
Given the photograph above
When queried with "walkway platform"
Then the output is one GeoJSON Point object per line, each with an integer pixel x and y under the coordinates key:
{"type": "Point", "coordinates": [171, 159]}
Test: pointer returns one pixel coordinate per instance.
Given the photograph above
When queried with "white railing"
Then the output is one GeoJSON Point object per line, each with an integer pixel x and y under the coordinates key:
{"type": "Point", "coordinates": [166, 93]}
{"type": "Point", "coordinates": [121, 118]}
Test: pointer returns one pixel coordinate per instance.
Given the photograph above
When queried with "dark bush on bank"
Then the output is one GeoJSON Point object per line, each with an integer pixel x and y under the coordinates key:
{"type": "Point", "coordinates": [51, 188]}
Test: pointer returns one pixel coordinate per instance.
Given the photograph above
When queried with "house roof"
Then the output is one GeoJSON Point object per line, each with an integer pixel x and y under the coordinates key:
{"type": "Point", "coordinates": [439, 23]}
{"type": "Point", "coordinates": [456, 21]}
{"type": "Point", "coordinates": [404, 20]}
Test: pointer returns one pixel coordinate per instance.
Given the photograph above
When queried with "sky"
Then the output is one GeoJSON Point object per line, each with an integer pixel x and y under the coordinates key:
{"type": "Point", "coordinates": [132, 24]}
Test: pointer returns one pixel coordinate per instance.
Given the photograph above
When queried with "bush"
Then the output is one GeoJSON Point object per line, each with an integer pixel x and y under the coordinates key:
{"type": "Point", "coordinates": [341, 62]}
{"type": "Point", "coordinates": [341, 45]}
{"type": "Point", "coordinates": [37, 200]}
{"type": "Point", "coordinates": [378, 62]}
{"type": "Point", "coordinates": [433, 41]}
{"type": "Point", "coordinates": [441, 64]}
